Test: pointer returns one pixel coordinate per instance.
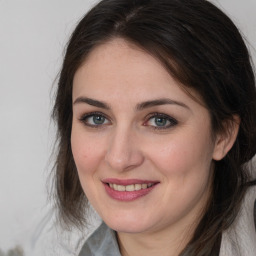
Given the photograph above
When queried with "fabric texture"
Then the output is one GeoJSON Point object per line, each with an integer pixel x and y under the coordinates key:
{"type": "Point", "coordinates": [101, 242]}
{"type": "Point", "coordinates": [238, 240]}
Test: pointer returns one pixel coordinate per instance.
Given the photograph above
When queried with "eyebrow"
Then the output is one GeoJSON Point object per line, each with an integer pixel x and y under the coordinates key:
{"type": "Point", "coordinates": [92, 102]}
{"type": "Point", "coordinates": [139, 107]}
{"type": "Point", "coordinates": [158, 102]}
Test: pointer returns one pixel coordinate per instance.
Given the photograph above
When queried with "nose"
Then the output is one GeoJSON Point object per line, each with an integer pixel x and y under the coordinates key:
{"type": "Point", "coordinates": [124, 152]}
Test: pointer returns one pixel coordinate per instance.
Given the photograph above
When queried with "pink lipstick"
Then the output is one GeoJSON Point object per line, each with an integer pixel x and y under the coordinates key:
{"type": "Point", "coordinates": [128, 190]}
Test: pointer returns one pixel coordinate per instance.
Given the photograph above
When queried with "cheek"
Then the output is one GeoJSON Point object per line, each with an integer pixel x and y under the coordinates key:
{"type": "Point", "coordinates": [86, 152]}
{"type": "Point", "coordinates": [183, 155]}
{"type": "Point", "coordinates": [186, 171]}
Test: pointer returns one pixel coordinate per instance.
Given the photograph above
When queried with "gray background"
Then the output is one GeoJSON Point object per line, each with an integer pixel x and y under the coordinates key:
{"type": "Point", "coordinates": [33, 34]}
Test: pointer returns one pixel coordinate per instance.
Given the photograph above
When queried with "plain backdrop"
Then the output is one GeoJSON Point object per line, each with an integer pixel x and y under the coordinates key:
{"type": "Point", "coordinates": [33, 34]}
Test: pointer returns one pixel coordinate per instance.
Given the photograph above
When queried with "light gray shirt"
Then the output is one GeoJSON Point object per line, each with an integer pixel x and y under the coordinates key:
{"type": "Point", "coordinates": [102, 242]}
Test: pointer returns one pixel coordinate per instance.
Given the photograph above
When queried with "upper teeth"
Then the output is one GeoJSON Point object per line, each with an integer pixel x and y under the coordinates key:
{"type": "Point", "coordinates": [132, 187]}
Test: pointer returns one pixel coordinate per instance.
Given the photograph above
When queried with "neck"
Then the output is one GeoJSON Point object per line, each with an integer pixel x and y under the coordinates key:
{"type": "Point", "coordinates": [165, 243]}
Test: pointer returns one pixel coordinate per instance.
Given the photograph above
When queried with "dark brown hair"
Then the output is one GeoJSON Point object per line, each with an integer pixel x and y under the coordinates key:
{"type": "Point", "coordinates": [201, 48]}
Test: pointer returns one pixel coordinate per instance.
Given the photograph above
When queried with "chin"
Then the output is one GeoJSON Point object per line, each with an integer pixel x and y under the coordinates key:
{"type": "Point", "coordinates": [127, 225]}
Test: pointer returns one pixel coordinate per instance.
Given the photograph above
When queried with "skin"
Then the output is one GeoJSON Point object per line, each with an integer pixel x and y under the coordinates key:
{"type": "Point", "coordinates": [127, 145]}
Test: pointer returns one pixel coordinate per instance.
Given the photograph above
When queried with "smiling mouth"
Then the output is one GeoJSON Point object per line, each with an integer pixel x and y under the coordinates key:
{"type": "Point", "coordinates": [130, 188]}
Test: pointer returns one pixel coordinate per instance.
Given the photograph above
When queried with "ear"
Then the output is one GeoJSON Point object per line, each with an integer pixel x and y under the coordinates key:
{"type": "Point", "coordinates": [225, 139]}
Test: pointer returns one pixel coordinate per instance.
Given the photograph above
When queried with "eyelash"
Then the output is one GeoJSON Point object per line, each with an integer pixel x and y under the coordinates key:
{"type": "Point", "coordinates": [84, 119]}
{"type": "Point", "coordinates": [172, 121]}
{"type": "Point", "coordinates": [167, 118]}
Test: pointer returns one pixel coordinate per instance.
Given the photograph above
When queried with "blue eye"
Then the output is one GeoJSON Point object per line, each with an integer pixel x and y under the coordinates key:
{"type": "Point", "coordinates": [98, 119]}
{"type": "Point", "coordinates": [94, 120]}
{"type": "Point", "coordinates": [161, 121]}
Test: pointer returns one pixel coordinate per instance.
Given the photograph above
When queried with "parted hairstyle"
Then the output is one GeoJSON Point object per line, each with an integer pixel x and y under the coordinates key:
{"type": "Point", "coordinates": [202, 49]}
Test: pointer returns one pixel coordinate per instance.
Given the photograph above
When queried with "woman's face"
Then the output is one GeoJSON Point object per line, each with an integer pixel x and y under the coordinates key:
{"type": "Point", "coordinates": [143, 148]}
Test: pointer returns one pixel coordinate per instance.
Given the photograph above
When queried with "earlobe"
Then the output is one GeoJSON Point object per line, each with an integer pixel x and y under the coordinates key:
{"type": "Point", "coordinates": [226, 138]}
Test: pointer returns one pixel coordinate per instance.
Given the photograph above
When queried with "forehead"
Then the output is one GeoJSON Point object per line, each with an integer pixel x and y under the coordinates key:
{"type": "Point", "coordinates": [119, 68]}
{"type": "Point", "coordinates": [119, 59]}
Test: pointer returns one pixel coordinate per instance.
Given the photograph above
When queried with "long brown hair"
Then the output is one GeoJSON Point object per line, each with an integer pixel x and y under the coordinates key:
{"type": "Point", "coordinates": [202, 48]}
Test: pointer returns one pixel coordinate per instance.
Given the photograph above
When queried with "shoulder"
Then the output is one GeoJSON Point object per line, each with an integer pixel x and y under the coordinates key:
{"type": "Point", "coordinates": [240, 238]}
{"type": "Point", "coordinates": [46, 237]}
{"type": "Point", "coordinates": [101, 242]}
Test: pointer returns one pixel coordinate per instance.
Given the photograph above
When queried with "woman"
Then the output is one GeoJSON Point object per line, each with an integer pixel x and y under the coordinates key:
{"type": "Point", "coordinates": [156, 115]}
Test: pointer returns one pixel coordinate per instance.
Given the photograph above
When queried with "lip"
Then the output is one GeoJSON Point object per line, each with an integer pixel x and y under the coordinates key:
{"type": "Point", "coordinates": [128, 181]}
{"type": "Point", "coordinates": [128, 195]}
